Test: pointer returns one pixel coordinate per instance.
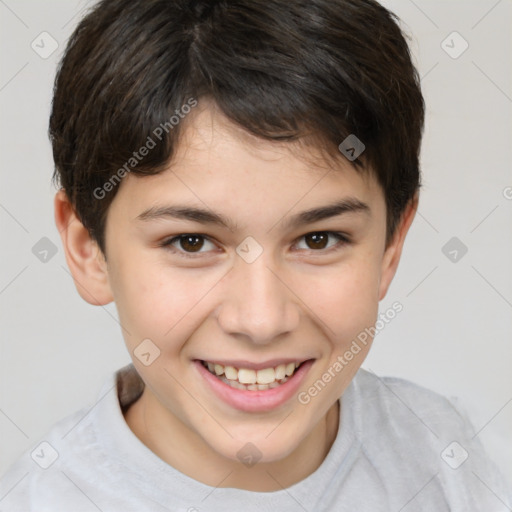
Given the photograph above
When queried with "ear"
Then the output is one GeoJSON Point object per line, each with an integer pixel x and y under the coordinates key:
{"type": "Point", "coordinates": [83, 255]}
{"type": "Point", "coordinates": [393, 252]}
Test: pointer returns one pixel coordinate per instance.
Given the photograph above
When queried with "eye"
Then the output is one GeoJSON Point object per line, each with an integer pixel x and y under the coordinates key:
{"type": "Point", "coordinates": [323, 240]}
{"type": "Point", "coordinates": [189, 243]}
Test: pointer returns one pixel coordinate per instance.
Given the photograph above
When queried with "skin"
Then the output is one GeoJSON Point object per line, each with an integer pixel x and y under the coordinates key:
{"type": "Point", "coordinates": [295, 300]}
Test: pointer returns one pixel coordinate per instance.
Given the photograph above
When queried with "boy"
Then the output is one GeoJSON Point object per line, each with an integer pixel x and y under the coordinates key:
{"type": "Point", "coordinates": [173, 122]}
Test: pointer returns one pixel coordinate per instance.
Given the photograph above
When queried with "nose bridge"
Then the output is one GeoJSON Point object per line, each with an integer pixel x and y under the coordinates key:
{"type": "Point", "coordinates": [256, 303]}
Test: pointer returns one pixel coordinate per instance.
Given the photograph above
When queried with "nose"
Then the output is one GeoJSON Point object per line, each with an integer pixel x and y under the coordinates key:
{"type": "Point", "coordinates": [257, 303]}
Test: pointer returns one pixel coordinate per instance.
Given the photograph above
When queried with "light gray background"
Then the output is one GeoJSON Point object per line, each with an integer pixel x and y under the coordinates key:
{"type": "Point", "coordinates": [454, 334]}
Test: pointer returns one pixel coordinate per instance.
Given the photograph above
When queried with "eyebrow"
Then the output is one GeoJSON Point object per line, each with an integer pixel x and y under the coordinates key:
{"type": "Point", "coordinates": [204, 216]}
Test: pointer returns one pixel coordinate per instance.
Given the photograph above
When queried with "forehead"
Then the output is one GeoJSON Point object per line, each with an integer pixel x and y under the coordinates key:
{"type": "Point", "coordinates": [219, 163]}
{"type": "Point", "coordinates": [207, 132]}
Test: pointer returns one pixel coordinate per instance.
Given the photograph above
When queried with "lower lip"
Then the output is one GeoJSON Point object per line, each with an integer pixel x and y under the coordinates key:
{"type": "Point", "coordinates": [255, 401]}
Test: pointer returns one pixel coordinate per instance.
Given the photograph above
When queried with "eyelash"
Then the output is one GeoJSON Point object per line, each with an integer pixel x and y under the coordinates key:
{"type": "Point", "coordinates": [343, 240]}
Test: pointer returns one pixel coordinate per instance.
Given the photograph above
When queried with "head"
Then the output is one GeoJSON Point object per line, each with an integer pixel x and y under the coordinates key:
{"type": "Point", "coordinates": [222, 121]}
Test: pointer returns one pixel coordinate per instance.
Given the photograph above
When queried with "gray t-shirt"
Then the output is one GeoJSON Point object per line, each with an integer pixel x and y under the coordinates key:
{"type": "Point", "coordinates": [399, 448]}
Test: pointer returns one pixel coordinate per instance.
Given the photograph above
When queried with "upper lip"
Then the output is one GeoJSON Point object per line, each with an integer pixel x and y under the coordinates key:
{"type": "Point", "coordinates": [241, 363]}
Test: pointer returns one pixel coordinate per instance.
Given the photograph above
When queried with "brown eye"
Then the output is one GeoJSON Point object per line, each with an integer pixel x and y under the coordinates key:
{"type": "Point", "coordinates": [191, 243]}
{"type": "Point", "coordinates": [317, 240]}
{"type": "Point", "coordinates": [323, 241]}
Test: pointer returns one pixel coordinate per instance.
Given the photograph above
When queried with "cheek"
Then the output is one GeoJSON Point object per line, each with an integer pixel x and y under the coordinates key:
{"type": "Point", "coordinates": [345, 299]}
{"type": "Point", "coordinates": [348, 304]}
{"type": "Point", "coordinates": [159, 303]}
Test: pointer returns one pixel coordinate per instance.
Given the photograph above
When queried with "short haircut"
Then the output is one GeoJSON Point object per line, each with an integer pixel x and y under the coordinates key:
{"type": "Point", "coordinates": [283, 70]}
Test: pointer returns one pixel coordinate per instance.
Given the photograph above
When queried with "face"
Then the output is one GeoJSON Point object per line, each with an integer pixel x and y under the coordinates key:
{"type": "Point", "coordinates": [251, 267]}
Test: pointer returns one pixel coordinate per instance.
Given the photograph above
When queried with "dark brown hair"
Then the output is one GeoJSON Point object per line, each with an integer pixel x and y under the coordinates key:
{"type": "Point", "coordinates": [283, 70]}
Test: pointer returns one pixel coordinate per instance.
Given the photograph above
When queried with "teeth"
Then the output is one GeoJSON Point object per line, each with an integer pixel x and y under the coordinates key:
{"type": "Point", "coordinates": [247, 376]}
{"type": "Point", "coordinates": [231, 373]}
{"type": "Point", "coordinates": [266, 376]}
{"type": "Point", "coordinates": [252, 387]}
{"type": "Point", "coordinates": [280, 372]}
{"type": "Point", "coordinates": [260, 380]}
{"type": "Point", "coordinates": [290, 368]}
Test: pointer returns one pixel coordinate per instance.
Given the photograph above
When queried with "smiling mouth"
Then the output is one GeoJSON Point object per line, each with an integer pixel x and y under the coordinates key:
{"type": "Point", "coordinates": [253, 380]}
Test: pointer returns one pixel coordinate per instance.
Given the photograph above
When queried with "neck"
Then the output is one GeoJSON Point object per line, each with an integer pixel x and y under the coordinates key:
{"type": "Point", "coordinates": [184, 450]}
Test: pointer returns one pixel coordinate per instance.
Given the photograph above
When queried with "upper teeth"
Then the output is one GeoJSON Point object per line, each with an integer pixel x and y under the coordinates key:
{"type": "Point", "coordinates": [248, 376]}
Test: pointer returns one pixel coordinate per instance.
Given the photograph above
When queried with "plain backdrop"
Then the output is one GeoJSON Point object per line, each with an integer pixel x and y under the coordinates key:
{"type": "Point", "coordinates": [455, 331]}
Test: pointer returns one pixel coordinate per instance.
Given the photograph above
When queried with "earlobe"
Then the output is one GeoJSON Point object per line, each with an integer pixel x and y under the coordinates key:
{"type": "Point", "coordinates": [394, 250]}
{"type": "Point", "coordinates": [85, 260]}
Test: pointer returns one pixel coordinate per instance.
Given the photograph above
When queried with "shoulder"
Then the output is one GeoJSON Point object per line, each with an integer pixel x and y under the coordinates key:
{"type": "Point", "coordinates": [55, 471]}
{"type": "Point", "coordinates": [392, 409]}
{"type": "Point", "coordinates": [413, 437]}
{"type": "Point", "coordinates": [39, 474]}
{"type": "Point", "coordinates": [411, 403]}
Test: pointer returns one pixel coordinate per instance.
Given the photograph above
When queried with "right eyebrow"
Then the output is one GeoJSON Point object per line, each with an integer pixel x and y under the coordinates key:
{"type": "Point", "coordinates": [187, 213]}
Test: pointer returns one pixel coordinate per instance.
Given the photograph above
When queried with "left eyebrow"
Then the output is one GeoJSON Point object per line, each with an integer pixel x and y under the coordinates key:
{"type": "Point", "coordinates": [344, 206]}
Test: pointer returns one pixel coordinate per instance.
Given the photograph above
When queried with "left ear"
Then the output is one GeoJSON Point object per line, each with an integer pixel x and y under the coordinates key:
{"type": "Point", "coordinates": [393, 252]}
